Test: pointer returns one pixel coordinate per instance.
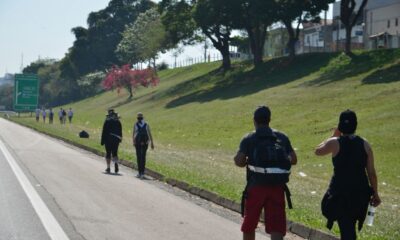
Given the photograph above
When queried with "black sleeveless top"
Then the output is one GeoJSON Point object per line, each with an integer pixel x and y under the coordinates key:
{"type": "Point", "coordinates": [350, 164]}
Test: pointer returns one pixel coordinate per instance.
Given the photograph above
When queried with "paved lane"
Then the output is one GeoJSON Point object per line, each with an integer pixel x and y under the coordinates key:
{"type": "Point", "coordinates": [92, 205]}
{"type": "Point", "coordinates": [18, 218]}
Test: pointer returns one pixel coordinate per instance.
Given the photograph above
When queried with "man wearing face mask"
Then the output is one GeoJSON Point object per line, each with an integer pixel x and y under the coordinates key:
{"type": "Point", "coordinates": [141, 139]}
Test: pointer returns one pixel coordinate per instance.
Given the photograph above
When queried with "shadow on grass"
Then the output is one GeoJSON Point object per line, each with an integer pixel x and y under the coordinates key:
{"type": "Point", "coordinates": [386, 75]}
{"type": "Point", "coordinates": [239, 82]}
{"type": "Point", "coordinates": [343, 66]}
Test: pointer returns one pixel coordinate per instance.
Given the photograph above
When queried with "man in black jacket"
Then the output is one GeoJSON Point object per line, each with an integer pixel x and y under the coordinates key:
{"type": "Point", "coordinates": [111, 137]}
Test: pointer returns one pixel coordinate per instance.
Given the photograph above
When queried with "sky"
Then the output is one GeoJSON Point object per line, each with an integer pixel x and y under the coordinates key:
{"type": "Point", "coordinates": [33, 29]}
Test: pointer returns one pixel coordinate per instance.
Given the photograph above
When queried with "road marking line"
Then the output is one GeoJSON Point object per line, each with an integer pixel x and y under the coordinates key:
{"type": "Point", "coordinates": [49, 222]}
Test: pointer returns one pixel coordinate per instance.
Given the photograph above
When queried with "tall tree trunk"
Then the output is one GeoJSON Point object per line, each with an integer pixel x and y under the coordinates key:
{"type": "Point", "coordinates": [257, 37]}
{"type": "Point", "coordinates": [226, 58]}
{"type": "Point", "coordinates": [154, 65]}
{"type": "Point", "coordinates": [293, 38]}
{"type": "Point", "coordinates": [348, 40]}
{"type": "Point", "coordinates": [221, 43]}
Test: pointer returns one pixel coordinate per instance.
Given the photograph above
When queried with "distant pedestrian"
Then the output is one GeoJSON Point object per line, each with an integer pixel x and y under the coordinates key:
{"type": "Point", "coordinates": [70, 115]}
{"type": "Point", "coordinates": [111, 137]}
{"type": "Point", "coordinates": [60, 115]}
{"type": "Point", "coordinates": [354, 183]}
{"type": "Point", "coordinates": [44, 115]}
{"type": "Point", "coordinates": [51, 116]}
{"type": "Point", "coordinates": [64, 116]}
{"type": "Point", "coordinates": [268, 155]}
{"type": "Point", "coordinates": [37, 114]}
{"type": "Point", "coordinates": [141, 139]}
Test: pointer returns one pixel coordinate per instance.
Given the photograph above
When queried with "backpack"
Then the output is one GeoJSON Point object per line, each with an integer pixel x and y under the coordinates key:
{"type": "Point", "coordinates": [142, 136]}
{"type": "Point", "coordinates": [83, 134]}
{"type": "Point", "coordinates": [269, 163]}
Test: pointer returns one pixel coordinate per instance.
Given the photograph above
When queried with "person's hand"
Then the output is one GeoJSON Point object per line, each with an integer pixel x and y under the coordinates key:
{"type": "Point", "coordinates": [336, 133]}
{"type": "Point", "coordinates": [375, 200]}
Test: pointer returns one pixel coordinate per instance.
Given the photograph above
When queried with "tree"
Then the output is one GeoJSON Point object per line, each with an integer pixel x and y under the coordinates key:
{"type": "Point", "coordinates": [290, 11]}
{"type": "Point", "coordinates": [349, 17]}
{"type": "Point", "coordinates": [255, 17]}
{"type": "Point", "coordinates": [94, 47]}
{"type": "Point", "coordinates": [183, 20]}
{"type": "Point", "coordinates": [34, 66]}
{"type": "Point", "coordinates": [144, 39]}
{"type": "Point", "coordinates": [176, 15]}
{"type": "Point", "coordinates": [125, 77]}
{"type": "Point", "coordinates": [215, 21]}
{"type": "Point", "coordinates": [6, 96]}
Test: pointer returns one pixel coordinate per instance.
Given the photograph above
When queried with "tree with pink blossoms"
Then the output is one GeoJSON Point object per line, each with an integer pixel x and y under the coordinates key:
{"type": "Point", "coordinates": [130, 79]}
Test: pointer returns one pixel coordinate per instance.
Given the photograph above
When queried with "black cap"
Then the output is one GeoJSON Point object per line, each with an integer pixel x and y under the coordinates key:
{"type": "Point", "coordinates": [262, 115]}
{"type": "Point", "coordinates": [347, 122]}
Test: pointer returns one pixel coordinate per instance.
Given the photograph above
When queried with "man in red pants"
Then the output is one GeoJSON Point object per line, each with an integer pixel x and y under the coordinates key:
{"type": "Point", "coordinates": [268, 155]}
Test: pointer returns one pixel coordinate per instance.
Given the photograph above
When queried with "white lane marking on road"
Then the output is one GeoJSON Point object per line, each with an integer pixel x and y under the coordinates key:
{"type": "Point", "coordinates": [49, 222]}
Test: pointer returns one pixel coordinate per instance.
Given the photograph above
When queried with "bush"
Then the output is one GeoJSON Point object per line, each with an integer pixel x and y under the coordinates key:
{"type": "Point", "coordinates": [162, 66]}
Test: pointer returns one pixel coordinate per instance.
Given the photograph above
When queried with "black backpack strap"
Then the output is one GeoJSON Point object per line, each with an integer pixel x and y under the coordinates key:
{"type": "Point", "coordinates": [288, 196]}
{"type": "Point", "coordinates": [244, 197]}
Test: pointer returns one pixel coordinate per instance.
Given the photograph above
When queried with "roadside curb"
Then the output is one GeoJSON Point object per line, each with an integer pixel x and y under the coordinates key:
{"type": "Point", "coordinates": [292, 227]}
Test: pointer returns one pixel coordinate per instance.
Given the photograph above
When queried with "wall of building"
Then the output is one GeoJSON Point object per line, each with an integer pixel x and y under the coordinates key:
{"type": "Point", "coordinates": [383, 19]}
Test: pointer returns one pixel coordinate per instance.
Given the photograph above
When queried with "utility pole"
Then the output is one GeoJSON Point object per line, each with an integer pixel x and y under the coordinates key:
{"type": "Point", "coordinates": [205, 49]}
{"type": "Point", "coordinates": [22, 62]}
{"type": "Point", "coordinates": [325, 29]}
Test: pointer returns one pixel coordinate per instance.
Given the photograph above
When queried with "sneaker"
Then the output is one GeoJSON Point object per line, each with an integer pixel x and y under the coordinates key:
{"type": "Point", "coordinates": [116, 167]}
{"type": "Point", "coordinates": [138, 175]}
{"type": "Point", "coordinates": [108, 170]}
{"type": "Point", "coordinates": [142, 176]}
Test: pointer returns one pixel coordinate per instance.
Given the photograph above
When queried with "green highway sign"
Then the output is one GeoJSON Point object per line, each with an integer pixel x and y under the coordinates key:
{"type": "Point", "coordinates": [26, 92]}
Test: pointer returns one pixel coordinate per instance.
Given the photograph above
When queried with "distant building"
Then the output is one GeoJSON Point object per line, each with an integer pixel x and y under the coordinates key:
{"type": "Point", "coordinates": [276, 43]}
{"type": "Point", "coordinates": [382, 25]}
{"type": "Point", "coordinates": [318, 36]}
{"type": "Point", "coordinates": [339, 31]}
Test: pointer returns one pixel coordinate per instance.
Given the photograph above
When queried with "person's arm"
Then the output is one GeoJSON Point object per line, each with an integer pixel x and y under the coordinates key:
{"type": "Point", "coordinates": [289, 148]}
{"type": "Point", "coordinates": [120, 130]}
{"type": "Point", "coordinates": [150, 136]}
{"type": "Point", "coordinates": [293, 158]}
{"type": "Point", "coordinates": [134, 135]}
{"type": "Point", "coordinates": [240, 158]}
{"type": "Point", "coordinates": [373, 179]}
{"type": "Point", "coordinates": [326, 147]}
{"type": "Point", "coordinates": [330, 145]}
{"type": "Point", "coordinates": [103, 134]}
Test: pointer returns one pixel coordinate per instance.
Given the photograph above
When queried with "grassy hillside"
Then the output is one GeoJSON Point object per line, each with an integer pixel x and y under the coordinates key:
{"type": "Point", "coordinates": [198, 116]}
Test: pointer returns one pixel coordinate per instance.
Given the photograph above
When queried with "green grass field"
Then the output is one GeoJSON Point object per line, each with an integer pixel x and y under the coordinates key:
{"type": "Point", "coordinates": [198, 116]}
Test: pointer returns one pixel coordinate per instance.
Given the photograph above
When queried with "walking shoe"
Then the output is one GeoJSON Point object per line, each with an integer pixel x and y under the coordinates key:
{"type": "Point", "coordinates": [138, 175]}
{"type": "Point", "coordinates": [142, 176]}
{"type": "Point", "coordinates": [116, 167]}
{"type": "Point", "coordinates": [108, 170]}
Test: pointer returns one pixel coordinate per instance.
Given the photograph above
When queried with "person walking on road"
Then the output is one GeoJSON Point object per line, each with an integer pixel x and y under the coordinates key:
{"type": "Point", "coordinates": [111, 137]}
{"type": "Point", "coordinates": [51, 116]}
{"type": "Point", "coordinates": [141, 139]}
{"type": "Point", "coordinates": [354, 183]}
{"type": "Point", "coordinates": [44, 115]}
{"type": "Point", "coordinates": [70, 115]}
{"type": "Point", "coordinates": [37, 114]}
{"type": "Point", "coordinates": [64, 116]}
{"type": "Point", "coordinates": [268, 156]}
{"type": "Point", "coordinates": [60, 115]}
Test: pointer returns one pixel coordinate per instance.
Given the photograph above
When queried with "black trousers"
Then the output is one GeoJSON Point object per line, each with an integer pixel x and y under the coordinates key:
{"type": "Point", "coordinates": [111, 149]}
{"type": "Point", "coordinates": [141, 157]}
{"type": "Point", "coordinates": [347, 226]}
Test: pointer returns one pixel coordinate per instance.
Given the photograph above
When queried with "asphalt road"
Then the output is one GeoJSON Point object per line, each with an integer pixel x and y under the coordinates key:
{"type": "Point", "coordinates": [61, 192]}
